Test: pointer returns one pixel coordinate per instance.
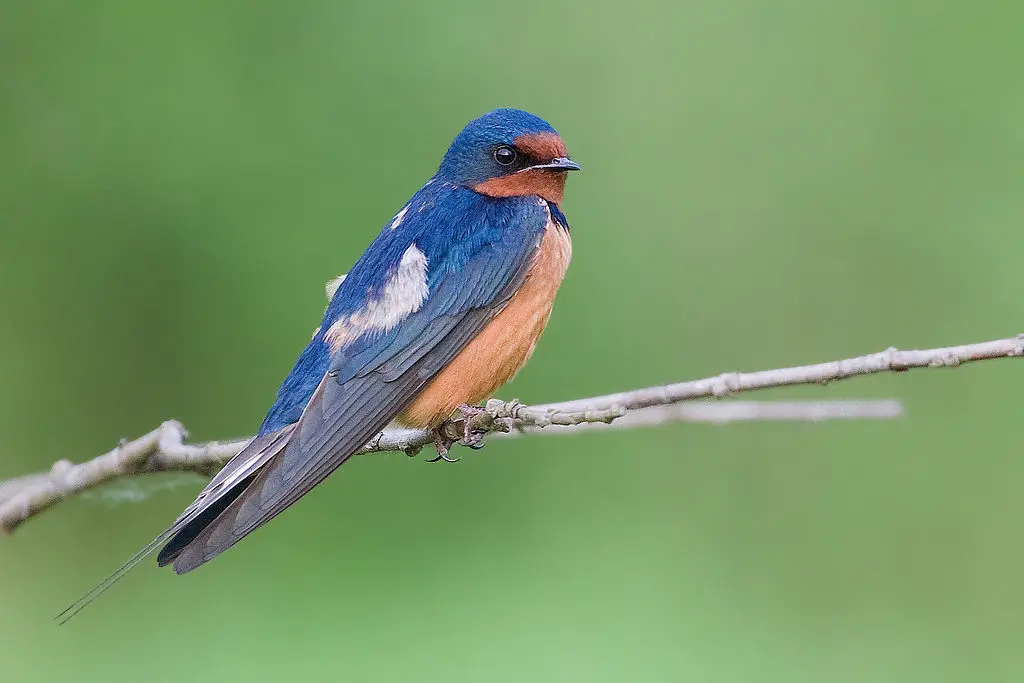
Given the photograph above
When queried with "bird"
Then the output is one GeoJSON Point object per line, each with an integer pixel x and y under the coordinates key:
{"type": "Point", "coordinates": [444, 307]}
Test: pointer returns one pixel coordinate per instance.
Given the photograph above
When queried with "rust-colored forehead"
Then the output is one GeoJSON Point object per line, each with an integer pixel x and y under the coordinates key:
{"type": "Point", "coordinates": [543, 146]}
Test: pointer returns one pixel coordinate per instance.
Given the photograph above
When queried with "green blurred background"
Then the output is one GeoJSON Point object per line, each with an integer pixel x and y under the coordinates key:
{"type": "Point", "coordinates": [763, 186]}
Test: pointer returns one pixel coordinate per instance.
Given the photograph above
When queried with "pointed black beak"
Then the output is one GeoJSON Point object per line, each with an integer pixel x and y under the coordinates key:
{"type": "Point", "coordinates": [559, 164]}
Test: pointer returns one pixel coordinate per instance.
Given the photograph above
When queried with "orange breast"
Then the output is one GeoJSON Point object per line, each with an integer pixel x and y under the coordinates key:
{"type": "Point", "coordinates": [504, 346]}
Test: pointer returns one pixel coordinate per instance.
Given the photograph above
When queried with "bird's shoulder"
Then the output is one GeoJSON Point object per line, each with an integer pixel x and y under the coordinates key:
{"type": "Point", "coordinates": [449, 225]}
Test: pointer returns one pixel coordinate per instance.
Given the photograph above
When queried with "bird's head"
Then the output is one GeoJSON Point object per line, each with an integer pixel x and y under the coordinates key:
{"type": "Point", "coordinates": [509, 153]}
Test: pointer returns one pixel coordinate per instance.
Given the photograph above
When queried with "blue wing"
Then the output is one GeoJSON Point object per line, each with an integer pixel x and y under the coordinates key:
{"type": "Point", "coordinates": [477, 252]}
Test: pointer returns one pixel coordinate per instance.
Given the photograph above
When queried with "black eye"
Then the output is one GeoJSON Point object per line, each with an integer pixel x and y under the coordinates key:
{"type": "Point", "coordinates": [506, 156]}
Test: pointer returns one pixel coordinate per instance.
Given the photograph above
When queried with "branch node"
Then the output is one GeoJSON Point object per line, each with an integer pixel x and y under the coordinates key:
{"type": "Point", "coordinates": [725, 384]}
{"type": "Point", "coordinates": [945, 361]}
{"type": "Point", "coordinates": [503, 424]}
{"type": "Point", "coordinates": [1017, 350]}
{"type": "Point", "coordinates": [61, 467]}
{"type": "Point", "coordinates": [174, 432]}
{"type": "Point", "coordinates": [891, 357]}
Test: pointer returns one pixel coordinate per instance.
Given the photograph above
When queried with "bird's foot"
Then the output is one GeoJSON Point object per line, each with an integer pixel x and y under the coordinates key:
{"type": "Point", "coordinates": [470, 437]}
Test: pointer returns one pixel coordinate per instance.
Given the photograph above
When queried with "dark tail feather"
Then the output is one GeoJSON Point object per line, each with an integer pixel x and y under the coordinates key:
{"type": "Point", "coordinates": [176, 538]}
{"type": "Point", "coordinates": [224, 488]}
{"type": "Point", "coordinates": [188, 533]}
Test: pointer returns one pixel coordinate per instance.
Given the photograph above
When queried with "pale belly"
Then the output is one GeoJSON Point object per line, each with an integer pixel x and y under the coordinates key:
{"type": "Point", "coordinates": [504, 346]}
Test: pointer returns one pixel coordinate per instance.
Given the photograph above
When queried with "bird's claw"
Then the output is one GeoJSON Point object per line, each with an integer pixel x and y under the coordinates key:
{"type": "Point", "coordinates": [444, 446]}
{"type": "Point", "coordinates": [470, 437]}
{"type": "Point", "coordinates": [441, 457]}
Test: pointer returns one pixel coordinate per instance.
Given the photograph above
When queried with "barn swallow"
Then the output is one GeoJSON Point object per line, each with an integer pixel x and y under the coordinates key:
{"type": "Point", "coordinates": [444, 307]}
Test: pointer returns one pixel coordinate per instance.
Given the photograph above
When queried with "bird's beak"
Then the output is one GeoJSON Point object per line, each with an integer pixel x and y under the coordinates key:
{"type": "Point", "coordinates": [559, 164]}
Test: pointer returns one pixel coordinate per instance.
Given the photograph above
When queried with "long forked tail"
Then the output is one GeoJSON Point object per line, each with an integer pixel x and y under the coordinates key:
{"type": "Point", "coordinates": [236, 475]}
{"type": "Point", "coordinates": [191, 522]}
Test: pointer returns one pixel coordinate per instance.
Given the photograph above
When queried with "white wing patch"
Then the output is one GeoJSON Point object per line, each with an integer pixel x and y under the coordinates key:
{"type": "Point", "coordinates": [403, 293]}
{"type": "Point", "coordinates": [398, 217]}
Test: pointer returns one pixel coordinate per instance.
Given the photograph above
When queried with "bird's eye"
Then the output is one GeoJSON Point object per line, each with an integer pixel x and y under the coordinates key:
{"type": "Point", "coordinates": [506, 156]}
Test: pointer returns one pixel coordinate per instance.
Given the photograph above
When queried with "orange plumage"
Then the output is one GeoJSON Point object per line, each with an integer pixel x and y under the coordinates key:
{"type": "Point", "coordinates": [504, 346]}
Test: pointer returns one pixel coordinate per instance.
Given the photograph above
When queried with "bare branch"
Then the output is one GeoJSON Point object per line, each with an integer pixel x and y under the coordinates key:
{"type": "Point", "coordinates": [890, 360]}
{"type": "Point", "coordinates": [164, 449]}
{"type": "Point", "coordinates": [727, 412]}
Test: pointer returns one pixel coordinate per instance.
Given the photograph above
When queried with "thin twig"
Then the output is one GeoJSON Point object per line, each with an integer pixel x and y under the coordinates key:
{"type": "Point", "coordinates": [728, 412]}
{"type": "Point", "coordinates": [890, 360]}
{"type": "Point", "coordinates": [164, 449]}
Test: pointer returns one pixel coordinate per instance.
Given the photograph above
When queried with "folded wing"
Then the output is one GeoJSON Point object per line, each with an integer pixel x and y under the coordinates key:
{"type": "Point", "coordinates": [368, 384]}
